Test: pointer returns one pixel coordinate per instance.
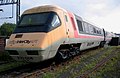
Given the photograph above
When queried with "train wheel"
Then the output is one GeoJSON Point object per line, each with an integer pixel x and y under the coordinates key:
{"type": "Point", "coordinates": [63, 54]}
{"type": "Point", "coordinates": [72, 52]}
{"type": "Point", "coordinates": [77, 50]}
{"type": "Point", "coordinates": [102, 44]}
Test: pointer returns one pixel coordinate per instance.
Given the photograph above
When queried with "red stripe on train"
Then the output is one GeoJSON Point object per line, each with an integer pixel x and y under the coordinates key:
{"type": "Point", "coordinates": [84, 36]}
{"type": "Point", "coordinates": [76, 35]}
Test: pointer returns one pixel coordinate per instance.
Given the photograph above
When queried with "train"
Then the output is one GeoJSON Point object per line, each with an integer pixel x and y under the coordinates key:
{"type": "Point", "coordinates": [118, 35]}
{"type": "Point", "coordinates": [49, 31]}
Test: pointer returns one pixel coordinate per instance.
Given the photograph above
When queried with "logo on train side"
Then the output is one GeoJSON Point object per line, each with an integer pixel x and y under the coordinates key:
{"type": "Point", "coordinates": [22, 41]}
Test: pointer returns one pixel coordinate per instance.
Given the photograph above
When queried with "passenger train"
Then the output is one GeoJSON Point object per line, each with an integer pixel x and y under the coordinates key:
{"type": "Point", "coordinates": [49, 31]}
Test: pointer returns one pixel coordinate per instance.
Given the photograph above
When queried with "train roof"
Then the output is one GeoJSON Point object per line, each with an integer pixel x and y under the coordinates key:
{"type": "Point", "coordinates": [43, 9]}
{"type": "Point", "coordinates": [47, 8]}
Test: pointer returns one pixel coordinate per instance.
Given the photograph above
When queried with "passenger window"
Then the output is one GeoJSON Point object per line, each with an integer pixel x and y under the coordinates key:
{"type": "Point", "coordinates": [100, 32]}
{"type": "Point", "coordinates": [79, 25]}
{"type": "Point", "coordinates": [87, 28]}
{"type": "Point", "coordinates": [91, 29]}
{"type": "Point", "coordinates": [55, 21]}
{"type": "Point", "coordinates": [97, 32]}
{"type": "Point", "coordinates": [84, 26]}
{"type": "Point", "coordinates": [94, 30]}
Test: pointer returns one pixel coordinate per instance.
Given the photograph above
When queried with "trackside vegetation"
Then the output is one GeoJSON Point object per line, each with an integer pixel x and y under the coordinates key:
{"type": "Point", "coordinates": [111, 69]}
{"type": "Point", "coordinates": [79, 65]}
{"type": "Point", "coordinates": [6, 29]}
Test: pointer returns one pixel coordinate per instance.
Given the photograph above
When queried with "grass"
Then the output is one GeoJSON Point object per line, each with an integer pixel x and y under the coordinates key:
{"type": "Point", "coordinates": [10, 62]}
{"type": "Point", "coordinates": [73, 64]}
{"type": "Point", "coordinates": [110, 70]}
{"type": "Point", "coordinates": [11, 65]}
{"type": "Point", "coordinates": [92, 65]}
{"type": "Point", "coordinates": [5, 57]}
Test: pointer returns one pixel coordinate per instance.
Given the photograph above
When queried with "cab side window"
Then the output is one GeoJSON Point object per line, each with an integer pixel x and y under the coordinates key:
{"type": "Point", "coordinates": [55, 22]}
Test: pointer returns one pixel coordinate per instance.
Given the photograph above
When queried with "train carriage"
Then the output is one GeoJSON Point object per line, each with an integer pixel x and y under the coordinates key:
{"type": "Point", "coordinates": [49, 31]}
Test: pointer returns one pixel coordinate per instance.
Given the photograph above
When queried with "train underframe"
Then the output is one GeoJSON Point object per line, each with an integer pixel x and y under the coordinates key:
{"type": "Point", "coordinates": [67, 51]}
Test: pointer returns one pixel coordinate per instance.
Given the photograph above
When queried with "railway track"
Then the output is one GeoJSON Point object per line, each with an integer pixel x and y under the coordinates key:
{"type": "Point", "coordinates": [97, 66]}
{"type": "Point", "coordinates": [39, 73]}
{"type": "Point", "coordinates": [17, 72]}
{"type": "Point", "coordinates": [34, 70]}
{"type": "Point", "coordinates": [38, 70]}
{"type": "Point", "coordinates": [86, 58]}
{"type": "Point", "coordinates": [10, 66]}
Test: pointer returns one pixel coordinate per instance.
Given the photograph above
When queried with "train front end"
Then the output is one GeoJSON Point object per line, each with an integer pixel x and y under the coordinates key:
{"type": "Point", "coordinates": [36, 37]}
{"type": "Point", "coordinates": [27, 46]}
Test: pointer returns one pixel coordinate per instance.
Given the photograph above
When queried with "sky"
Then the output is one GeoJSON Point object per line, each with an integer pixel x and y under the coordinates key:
{"type": "Point", "coordinates": [102, 13]}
